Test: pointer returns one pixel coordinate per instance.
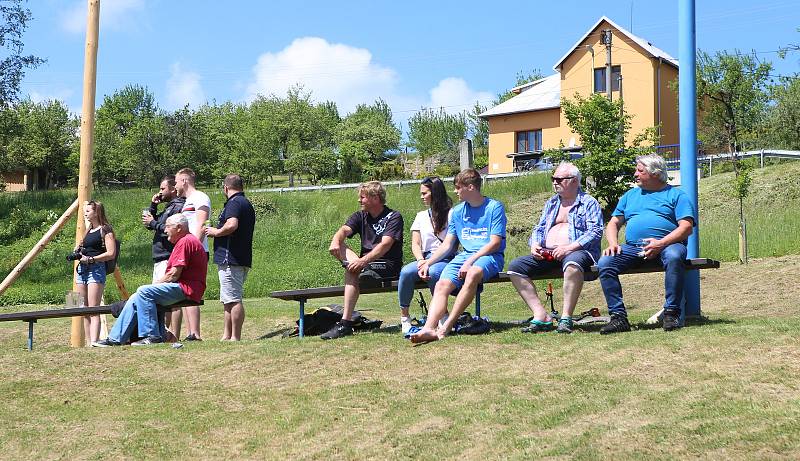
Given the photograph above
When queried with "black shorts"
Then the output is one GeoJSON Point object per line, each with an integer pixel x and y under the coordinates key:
{"type": "Point", "coordinates": [379, 270]}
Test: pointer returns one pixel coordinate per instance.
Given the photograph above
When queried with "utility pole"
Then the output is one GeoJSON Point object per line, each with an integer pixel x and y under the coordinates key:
{"type": "Point", "coordinates": [606, 40]}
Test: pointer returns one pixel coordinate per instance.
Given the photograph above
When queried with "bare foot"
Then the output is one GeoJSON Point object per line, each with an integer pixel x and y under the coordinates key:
{"type": "Point", "coordinates": [441, 332]}
{"type": "Point", "coordinates": [424, 336]}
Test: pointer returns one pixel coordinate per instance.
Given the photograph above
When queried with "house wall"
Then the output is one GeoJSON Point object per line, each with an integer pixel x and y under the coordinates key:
{"type": "Point", "coordinates": [15, 181]}
{"type": "Point", "coordinates": [640, 90]}
{"type": "Point", "coordinates": [503, 129]}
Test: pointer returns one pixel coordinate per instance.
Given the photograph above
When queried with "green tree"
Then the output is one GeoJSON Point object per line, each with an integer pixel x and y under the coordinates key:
{"type": "Point", "coordinates": [732, 96]}
{"type": "Point", "coordinates": [603, 126]}
{"type": "Point", "coordinates": [783, 120]}
{"type": "Point", "coordinates": [522, 78]}
{"type": "Point", "coordinates": [316, 163]}
{"type": "Point", "coordinates": [479, 132]}
{"type": "Point", "coordinates": [364, 137]}
{"type": "Point", "coordinates": [125, 141]}
{"type": "Point", "coordinates": [12, 68]}
{"type": "Point", "coordinates": [436, 134]}
{"type": "Point", "coordinates": [46, 137]}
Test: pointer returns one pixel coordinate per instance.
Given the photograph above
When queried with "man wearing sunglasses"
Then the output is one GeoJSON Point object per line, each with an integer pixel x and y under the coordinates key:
{"type": "Point", "coordinates": [568, 237]}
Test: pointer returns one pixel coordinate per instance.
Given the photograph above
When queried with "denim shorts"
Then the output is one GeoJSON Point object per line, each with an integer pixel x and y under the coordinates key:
{"type": "Point", "coordinates": [91, 273]}
{"type": "Point", "coordinates": [231, 283]}
{"type": "Point", "coordinates": [490, 264]}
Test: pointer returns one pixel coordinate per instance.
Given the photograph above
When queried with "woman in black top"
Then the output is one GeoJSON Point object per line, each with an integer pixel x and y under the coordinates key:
{"type": "Point", "coordinates": [97, 247]}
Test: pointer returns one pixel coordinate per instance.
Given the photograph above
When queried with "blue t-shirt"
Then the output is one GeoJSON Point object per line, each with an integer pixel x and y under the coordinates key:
{"type": "Point", "coordinates": [653, 214]}
{"type": "Point", "coordinates": [473, 225]}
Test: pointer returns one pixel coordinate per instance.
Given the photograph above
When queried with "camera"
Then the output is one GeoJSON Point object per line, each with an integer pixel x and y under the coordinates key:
{"type": "Point", "coordinates": [75, 255]}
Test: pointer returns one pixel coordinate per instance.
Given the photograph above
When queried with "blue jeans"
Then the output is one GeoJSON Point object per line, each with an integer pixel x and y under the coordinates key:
{"type": "Point", "coordinates": [409, 276]}
{"type": "Point", "coordinates": [141, 309]}
{"type": "Point", "coordinates": [610, 267]}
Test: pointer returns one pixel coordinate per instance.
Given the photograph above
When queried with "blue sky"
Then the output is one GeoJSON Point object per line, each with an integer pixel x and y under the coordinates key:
{"type": "Point", "coordinates": [413, 53]}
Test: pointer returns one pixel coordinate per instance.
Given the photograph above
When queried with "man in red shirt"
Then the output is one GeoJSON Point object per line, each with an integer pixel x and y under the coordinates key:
{"type": "Point", "coordinates": [185, 279]}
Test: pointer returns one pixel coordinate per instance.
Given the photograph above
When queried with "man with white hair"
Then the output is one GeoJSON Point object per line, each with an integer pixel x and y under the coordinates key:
{"type": "Point", "coordinates": [658, 220]}
{"type": "Point", "coordinates": [185, 279]}
{"type": "Point", "coordinates": [568, 237]}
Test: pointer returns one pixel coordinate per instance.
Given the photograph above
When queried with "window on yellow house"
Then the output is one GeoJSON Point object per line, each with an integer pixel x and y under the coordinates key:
{"type": "Point", "coordinates": [529, 141]}
{"type": "Point", "coordinates": [600, 79]}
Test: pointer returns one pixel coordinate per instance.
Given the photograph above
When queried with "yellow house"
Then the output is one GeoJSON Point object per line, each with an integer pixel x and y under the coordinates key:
{"type": "Point", "coordinates": [531, 121]}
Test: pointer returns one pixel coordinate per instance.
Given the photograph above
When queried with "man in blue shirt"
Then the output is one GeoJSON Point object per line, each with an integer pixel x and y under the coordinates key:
{"type": "Point", "coordinates": [479, 224]}
{"type": "Point", "coordinates": [658, 220]}
{"type": "Point", "coordinates": [233, 253]}
{"type": "Point", "coordinates": [567, 237]}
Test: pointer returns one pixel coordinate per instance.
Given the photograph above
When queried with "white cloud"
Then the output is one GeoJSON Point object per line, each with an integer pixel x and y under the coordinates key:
{"type": "Point", "coordinates": [331, 71]}
{"type": "Point", "coordinates": [114, 14]}
{"type": "Point", "coordinates": [454, 95]}
{"type": "Point", "coordinates": [183, 87]}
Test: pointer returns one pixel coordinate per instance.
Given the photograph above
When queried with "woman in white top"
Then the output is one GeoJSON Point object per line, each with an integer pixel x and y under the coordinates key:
{"type": "Point", "coordinates": [427, 232]}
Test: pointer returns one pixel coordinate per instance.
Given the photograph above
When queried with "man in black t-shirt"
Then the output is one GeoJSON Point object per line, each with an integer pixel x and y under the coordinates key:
{"type": "Point", "coordinates": [381, 255]}
{"type": "Point", "coordinates": [233, 253]}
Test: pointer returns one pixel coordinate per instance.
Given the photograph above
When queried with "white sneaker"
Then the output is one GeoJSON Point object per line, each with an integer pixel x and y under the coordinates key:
{"type": "Point", "coordinates": [405, 326]}
{"type": "Point", "coordinates": [443, 319]}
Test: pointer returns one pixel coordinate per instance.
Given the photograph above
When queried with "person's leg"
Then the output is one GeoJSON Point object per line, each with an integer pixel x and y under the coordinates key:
{"type": "Point", "coordinates": [126, 322]}
{"type": "Point", "coordinates": [236, 312]}
{"type": "Point", "coordinates": [351, 288]}
{"type": "Point", "coordinates": [436, 311]}
{"type": "Point", "coordinates": [482, 270]}
{"type": "Point", "coordinates": [672, 258]}
{"type": "Point", "coordinates": [232, 296]}
{"type": "Point", "coordinates": [147, 299]}
{"type": "Point", "coordinates": [519, 271]}
{"type": "Point", "coordinates": [574, 267]}
{"type": "Point", "coordinates": [405, 287]}
{"type": "Point", "coordinates": [172, 321]}
{"type": "Point", "coordinates": [610, 267]}
{"type": "Point", "coordinates": [192, 314]}
{"type": "Point", "coordinates": [83, 293]}
{"type": "Point", "coordinates": [95, 295]}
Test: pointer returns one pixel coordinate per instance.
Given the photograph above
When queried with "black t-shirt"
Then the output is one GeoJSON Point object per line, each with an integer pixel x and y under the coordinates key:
{"type": "Point", "coordinates": [387, 223]}
{"type": "Point", "coordinates": [236, 249]}
{"type": "Point", "coordinates": [93, 244]}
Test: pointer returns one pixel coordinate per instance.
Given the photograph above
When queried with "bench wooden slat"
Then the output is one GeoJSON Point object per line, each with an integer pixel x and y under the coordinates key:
{"type": "Point", "coordinates": [77, 312]}
{"type": "Point", "coordinates": [338, 290]}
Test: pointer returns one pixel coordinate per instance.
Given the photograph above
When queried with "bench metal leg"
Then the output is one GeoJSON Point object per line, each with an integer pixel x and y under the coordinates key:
{"type": "Point", "coordinates": [30, 334]}
{"type": "Point", "coordinates": [478, 303]}
{"type": "Point", "coordinates": [301, 323]}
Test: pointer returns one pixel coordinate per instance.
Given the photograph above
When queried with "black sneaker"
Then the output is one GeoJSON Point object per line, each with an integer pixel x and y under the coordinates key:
{"type": "Point", "coordinates": [191, 337]}
{"type": "Point", "coordinates": [147, 341]}
{"type": "Point", "coordinates": [672, 320]}
{"type": "Point", "coordinates": [338, 331]}
{"type": "Point", "coordinates": [617, 324]}
{"type": "Point", "coordinates": [538, 327]}
{"type": "Point", "coordinates": [108, 342]}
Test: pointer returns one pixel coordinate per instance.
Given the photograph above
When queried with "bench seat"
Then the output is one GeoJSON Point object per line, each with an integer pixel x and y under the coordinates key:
{"type": "Point", "coordinates": [305, 294]}
{"type": "Point", "coordinates": [32, 316]}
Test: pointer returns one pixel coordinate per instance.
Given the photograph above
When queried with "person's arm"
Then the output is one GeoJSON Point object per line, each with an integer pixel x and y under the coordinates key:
{"type": "Point", "coordinates": [679, 234]}
{"type": "Point", "coordinates": [612, 236]}
{"type": "Point", "coordinates": [594, 231]}
{"type": "Point", "coordinates": [337, 248]}
{"type": "Point", "coordinates": [494, 244]}
{"type": "Point", "coordinates": [445, 248]}
{"type": "Point", "coordinates": [376, 253]}
{"type": "Point", "coordinates": [538, 234]}
{"type": "Point", "coordinates": [172, 275]}
{"type": "Point", "coordinates": [201, 217]}
{"type": "Point", "coordinates": [230, 226]}
{"type": "Point", "coordinates": [416, 246]}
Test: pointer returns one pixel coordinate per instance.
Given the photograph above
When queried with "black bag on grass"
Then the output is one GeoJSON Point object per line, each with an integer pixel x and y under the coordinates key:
{"type": "Point", "coordinates": [324, 318]}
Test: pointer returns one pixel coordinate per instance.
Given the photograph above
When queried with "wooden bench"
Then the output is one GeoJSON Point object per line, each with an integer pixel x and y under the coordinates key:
{"type": "Point", "coordinates": [326, 292]}
{"type": "Point", "coordinates": [32, 316]}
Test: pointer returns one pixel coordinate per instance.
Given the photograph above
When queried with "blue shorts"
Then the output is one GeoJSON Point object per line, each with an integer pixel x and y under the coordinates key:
{"type": "Point", "coordinates": [490, 264]}
{"type": "Point", "coordinates": [528, 266]}
{"type": "Point", "coordinates": [91, 273]}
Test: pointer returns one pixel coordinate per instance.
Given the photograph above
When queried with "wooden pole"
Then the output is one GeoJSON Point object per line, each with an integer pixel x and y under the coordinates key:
{"type": "Point", "coordinates": [87, 140]}
{"type": "Point", "coordinates": [40, 245]}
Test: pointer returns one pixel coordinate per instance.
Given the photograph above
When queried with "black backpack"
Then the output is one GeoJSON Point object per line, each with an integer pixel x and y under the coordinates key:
{"type": "Point", "coordinates": [111, 264]}
{"type": "Point", "coordinates": [324, 318]}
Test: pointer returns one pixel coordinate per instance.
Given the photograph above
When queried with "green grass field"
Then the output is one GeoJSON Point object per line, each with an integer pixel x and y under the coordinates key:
{"type": "Point", "coordinates": [723, 389]}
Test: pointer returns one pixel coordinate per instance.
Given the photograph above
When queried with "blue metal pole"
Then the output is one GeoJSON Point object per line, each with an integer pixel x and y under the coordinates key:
{"type": "Point", "coordinates": [688, 128]}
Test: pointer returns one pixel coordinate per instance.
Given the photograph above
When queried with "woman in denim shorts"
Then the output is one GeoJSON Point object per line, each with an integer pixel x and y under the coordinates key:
{"type": "Point", "coordinates": [98, 246]}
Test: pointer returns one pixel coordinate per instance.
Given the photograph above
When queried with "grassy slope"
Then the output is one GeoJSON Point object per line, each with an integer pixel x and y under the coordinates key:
{"type": "Point", "coordinates": [291, 241]}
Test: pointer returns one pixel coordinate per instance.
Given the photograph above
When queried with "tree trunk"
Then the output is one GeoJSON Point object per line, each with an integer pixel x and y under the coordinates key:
{"type": "Point", "coordinates": [743, 257]}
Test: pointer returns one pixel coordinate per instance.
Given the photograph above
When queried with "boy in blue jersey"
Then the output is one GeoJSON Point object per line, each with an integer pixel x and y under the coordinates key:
{"type": "Point", "coordinates": [479, 224]}
{"type": "Point", "coordinates": [658, 220]}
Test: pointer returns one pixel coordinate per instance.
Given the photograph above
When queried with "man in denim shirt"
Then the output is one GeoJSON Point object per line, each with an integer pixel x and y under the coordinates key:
{"type": "Point", "coordinates": [567, 236]}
